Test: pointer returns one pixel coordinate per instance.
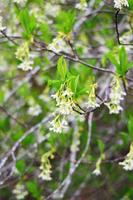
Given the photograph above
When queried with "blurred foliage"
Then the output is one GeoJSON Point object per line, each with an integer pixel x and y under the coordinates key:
{"type": "Point", "coordinates": [51, 56]}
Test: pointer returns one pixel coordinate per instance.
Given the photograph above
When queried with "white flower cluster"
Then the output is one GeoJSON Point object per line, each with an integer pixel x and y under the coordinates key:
{"type": "Point", "coordinates": [45, 173]}
{"type": "Point", "coordinates": [46, 166]}
{"type": "Point", "coordinates": [128, 162]}
{"type": "Point", "coordinates": [23, 55]}
{"type": "Point", "coordinates": [58, 124]}
{"type": "Point", "coordinates": [116, 95]}
{"type": "Point", "coordinates": [26, 65]}
{"type": "Point", "coordinates": [20, 191]}
{"type": "Point", "coordinates": [82, 5]}
{"type": "Point", "coordinates": [97, 170]}
{"type": "Point", "coordinates": [20, 2]}
{"type": "Point", "coordinates": [34, 109]}
{"type": "Point", "coordinates": [51, 9]}
{"type": "Point", "coordinates": [2, 28]}
{"type": "Point", "coordinates": [92, 103]}
{"type": "Point", "coordinates": [59, 44]}
{"type": "Point", "coordinates": [119, 4]}
{"type": "Point", "coordinates": [64, 100]}
{"type": "Point", "coordinates": [65, 104]}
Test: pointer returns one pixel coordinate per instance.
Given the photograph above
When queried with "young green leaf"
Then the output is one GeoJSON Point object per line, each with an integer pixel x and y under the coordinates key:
{"type": "Point", "coordinates": [123, 60]}
{"type": "Point", "coordinates": [21, 166]}
{"type": "Point", "coordinates": [62, 67]}
{"type": "Point", "coordinates": [27, 21]}
{"type": "Point", "coordinates": [130, 127]}
{"type": "Point", "coordinates": [34, 189]}
{"type": "Point", "coordinates": [113, 60]}
{"type": "Point", "coordinates": [101, 146]}
{"type": "Point", "coordinates": [73, 80]}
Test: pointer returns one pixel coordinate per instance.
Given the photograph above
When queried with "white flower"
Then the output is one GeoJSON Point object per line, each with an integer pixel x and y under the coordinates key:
{"type": "Point", "coordinates": [119, 4]}
{"type": "Point", "coordinates": [59, 45]}
{"type": "Point", "coordinates": [58, 125]}
{"type": "Point", "coordinates": [34, 110]}
{"type": "Point", "coordinates": [20, 2]}
{"type": "Point", "coordinates": [20, 191]}
{"type": "Point", "coordinates": [51, 9]}
{"type": "Point", "coordinates": [26, 65]}
{"type": "Point", "coordinates": [65, 108]}
{"type": "Point", "coordinates": [82, 5]}
{"type": "Point", "coordinates": [44, 97]}
{"type": "Point", "coordinates": [114, 108]}
{"type": "Point", "coordinates": [64, 100]}
{"type": "Point", "coordinates": [46, 175]}
{"type": "Point", "coordinates": [97, 172]}
{"type": "Point", "coordinates": [22, 52]}
{"type": "Point", "coordinates": [45, 166]}
{"type": "Point", "coordinates": [56, 97]}
{"type": "Point", "coordinates": [2, 28]}
{"type": "Point", "coordinates": [92, 103]}
{"type": "Point", "coordinates": [116, 95]}
{"type": "Point", "coordinates": [128, 162]}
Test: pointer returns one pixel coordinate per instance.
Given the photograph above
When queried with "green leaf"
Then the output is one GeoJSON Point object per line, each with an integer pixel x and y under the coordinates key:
{"type": "Point", "coordinates": [76, 84]}
{"type": "Point", "coordinates": [130, 65]}
{"type": "Point", "coordinates": [30, 139]}
{"type": "Point", "coordinates": [28, 22]}
{"type": "Point", "coordinates": [55, 83]}
{"type": "Point", "coordinates": [130, 127]}
{"type": "Point", "coordinates": [21, 166]}
{"type": "Point", "coordinates": [73, 80]}
{"type": "Point", "coordinates": [65, 21]}
{"type": "Point", "coordinates": [62, 67]}
{"type": "Point", "coordinates": [5, 124]}
{"type": "Point", "coordinates": [113, 60]}
{"type": "Point", "coordinates": [123, 60]}
{"type": "Point", "coordinates": [122, 66]}
{"type": "Point", "coordinates": [101, 146]}
{"type": "Point", "coordinates": [34, 189]}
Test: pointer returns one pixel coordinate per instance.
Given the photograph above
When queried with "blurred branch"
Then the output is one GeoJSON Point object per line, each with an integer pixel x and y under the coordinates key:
{"type": "Point", "coordinates": [20, 83]}
{"type": "Point", "coordinates": [61, 190]}
{"type": "Point", "coordinates": [12, 151]}
{"type": "Point", "coordinates": [89, 12]}
{"type": "Point", "coordinates": [117, 30]}
{"type": "Point", "coordinates": [12, 117]}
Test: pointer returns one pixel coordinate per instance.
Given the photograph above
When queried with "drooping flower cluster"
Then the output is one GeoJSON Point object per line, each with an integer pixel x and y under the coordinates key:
{"type": "Point", "coordinates": [116, 95]}
{"type": "Point", "coordinates": [23, 51]}
{"type": "Point", "coordinates": [65, 104]}
{"type": "Point", "coordinates": [128, 162]}
{"type": "Point", "coordinates": [20, 2]}
{"type": "Point", "coordinates": [46, 165]}
{"type": "Point", "coordinates": [2, 28]}
{"type": "Point", "coordinates": [23, 55]}
{"type": "Point", "coordinates": [119, 4]}
{"type": "Point", "coordinates": [64, 100]}
{"type": "Point", "coordinates": [82, 5]}
{"type": "Point", "coordinates": [26, 65]}
{"type": "Point", "coordinates": [92, 86]}
{"type": "Point", "coordinates": [59, 44]}
{"type": "Point", "coordinates": [20, 191]}
{"type": "Point", "coordinates": [97, 170]}
{"type": "Point", "coordinates": [58, 124]}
